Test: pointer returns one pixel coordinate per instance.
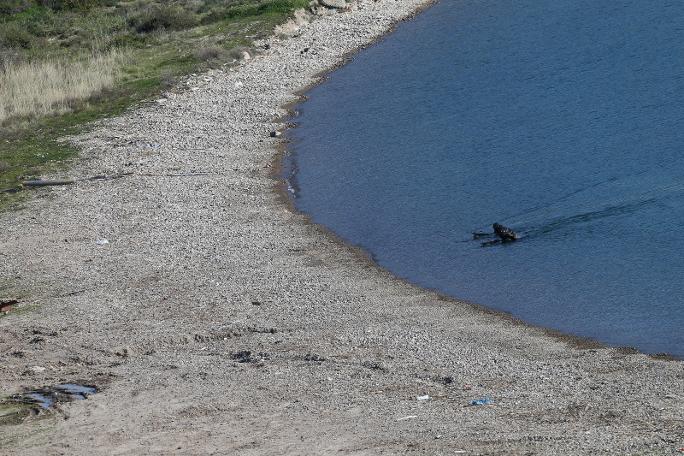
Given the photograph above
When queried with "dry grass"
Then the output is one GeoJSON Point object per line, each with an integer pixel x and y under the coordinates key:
{"type": "Point", "coordinates": [47, 87]}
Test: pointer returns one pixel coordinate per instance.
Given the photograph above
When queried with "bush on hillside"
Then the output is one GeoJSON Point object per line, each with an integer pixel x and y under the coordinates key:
{"type": "Point", "coordinates": [14, 36]}
{"type": "Point", "coordinates": [8, 7]}
{"type": "Point", "coordinates": [155, 17]}
{"type": "Point", "coordinates": [58, 5]}
{"type": "Point", "coordinates": [208, 53]}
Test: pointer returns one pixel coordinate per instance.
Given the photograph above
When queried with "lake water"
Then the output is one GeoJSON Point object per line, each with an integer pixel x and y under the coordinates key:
{"type": "Point", "coordinates": [561, 119]}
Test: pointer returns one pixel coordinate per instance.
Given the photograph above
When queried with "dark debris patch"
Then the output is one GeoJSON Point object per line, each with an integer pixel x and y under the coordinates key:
{"type": "Point", "coordinates": [262, 330]}
{"type": "Point", "coordinates": [32, 402]}
{"type": "Point", "coordinates": [48, 396]}
{"type": "Point", "coordinates": [374, 365]}
{"type": "Point", "coordinates": [446, 380]}
{"type": "Point", "coordinates": [314, 358]}
{"type": "Point", "coordinates": [246, 356]}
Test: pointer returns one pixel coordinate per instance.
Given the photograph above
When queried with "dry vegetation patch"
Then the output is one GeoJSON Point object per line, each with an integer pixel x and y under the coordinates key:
{"type": "Point", "coordinates": [52, 86]}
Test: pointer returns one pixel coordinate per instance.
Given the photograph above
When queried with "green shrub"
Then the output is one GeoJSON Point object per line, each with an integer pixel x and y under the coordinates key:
{"type": "Point", "coordinates": [57, 5]}
{"type": "Point", "coordinates": [234, 10]}
{"type": "Point", "coordinates": [14, 36]}
{"type": "Point", "coordinates": [156, 17]}
{"type": "Point", "coordinates": [8, 7]}
{"type": "Point", "coordinates": [208, 53]}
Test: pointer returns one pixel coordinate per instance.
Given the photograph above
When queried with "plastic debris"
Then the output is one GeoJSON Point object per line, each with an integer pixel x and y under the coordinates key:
{"type": "Point", "coordinates": [47, 397]}
{"type": "Point", "coordinates": [424, 398]}
{"type": "Point", "coordinates": [102, 242]}
{"type": "Point", "coordinates": [409, 417]}
{"type": "Point", "coordinates": [482, 401]}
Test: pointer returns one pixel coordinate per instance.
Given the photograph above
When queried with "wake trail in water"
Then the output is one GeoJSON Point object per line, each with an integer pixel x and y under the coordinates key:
{"type": "Point", "coordinates": [613, 197]}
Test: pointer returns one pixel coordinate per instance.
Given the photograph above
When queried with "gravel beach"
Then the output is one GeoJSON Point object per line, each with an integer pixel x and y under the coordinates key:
{"type": "Point", "coordinates": [216, 320]}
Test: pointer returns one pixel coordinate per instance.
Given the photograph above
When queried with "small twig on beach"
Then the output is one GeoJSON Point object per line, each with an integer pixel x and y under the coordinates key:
{"type": "Point", "coordinates": [174, 174]}
{"type": "Point", "coordinates": [35, 183]}
{"type": "Point", "coordinates": [72, 293]}
{"type": "Point", "coordinates": [105, 177]}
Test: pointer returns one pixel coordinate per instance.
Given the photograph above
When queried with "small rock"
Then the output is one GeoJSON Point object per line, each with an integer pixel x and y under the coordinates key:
{"type": "Point", "coordinates": [373, 365]}
{"type": "Point", "coordinates": [37, 369]}
{"type": "Point", "coordinates": [448, 380]}
{"type": "Point", "coordinates": [244, 356]}
{"type": "Point", "coordinates": [313, 357]}
{"type": "Point", "coordinates": [245, 55]}
{"type": "Point", "coordinates": [275, 134]}
{"type": "Point", "coordinates": [335, 4]}
{"type": "Point", "coordinates": [122, 352]}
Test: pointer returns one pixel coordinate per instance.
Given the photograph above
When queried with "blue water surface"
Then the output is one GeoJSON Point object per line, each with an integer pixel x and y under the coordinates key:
{"type": "Point", "coordinates": [562, 119]}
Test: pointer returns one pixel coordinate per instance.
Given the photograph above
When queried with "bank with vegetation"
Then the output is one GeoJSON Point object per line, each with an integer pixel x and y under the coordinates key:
{"type": "Point", "coordinates": [64, 63]}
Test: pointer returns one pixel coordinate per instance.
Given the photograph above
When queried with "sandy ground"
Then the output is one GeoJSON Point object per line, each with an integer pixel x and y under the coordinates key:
{"type": "Point", "coordinates": [205, 260]}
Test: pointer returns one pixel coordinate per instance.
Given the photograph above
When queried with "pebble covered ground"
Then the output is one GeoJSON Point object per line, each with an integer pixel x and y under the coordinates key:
{"type": "Point", "coordinates": [215, 320]}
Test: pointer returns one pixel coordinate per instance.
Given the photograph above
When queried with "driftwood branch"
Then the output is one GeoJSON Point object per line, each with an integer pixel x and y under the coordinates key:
{"type": "Point", "coordinates": [50, 183]}
{"type": "Point", "coordinates": [36, 183]}
{"type": "Point", "coordinates": [46, 183]}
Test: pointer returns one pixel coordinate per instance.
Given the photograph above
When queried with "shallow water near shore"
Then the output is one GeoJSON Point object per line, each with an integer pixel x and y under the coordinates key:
{"type": "Point", "coordinates": [559, 119]}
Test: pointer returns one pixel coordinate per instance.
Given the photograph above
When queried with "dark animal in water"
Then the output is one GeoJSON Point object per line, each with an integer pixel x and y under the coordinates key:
{"type": "Point", "coordinates": [505, 234]}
